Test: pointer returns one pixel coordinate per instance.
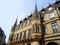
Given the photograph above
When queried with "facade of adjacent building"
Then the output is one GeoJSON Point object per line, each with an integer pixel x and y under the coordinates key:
{"type": "Point", "coordinates": [40, 28]}
{"type": "Point", "coordinates": [2, 37]}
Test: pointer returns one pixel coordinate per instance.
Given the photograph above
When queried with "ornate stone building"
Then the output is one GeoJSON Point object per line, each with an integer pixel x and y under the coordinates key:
{"type": "Point", "coordinates": [2, 37]}
{"type": "Point", "coordinates": [40, 28]}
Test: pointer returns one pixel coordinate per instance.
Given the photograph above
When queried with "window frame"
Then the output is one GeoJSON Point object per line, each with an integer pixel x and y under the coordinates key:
{"type": "Point", "coordinates": [29, 32]}
{"type": "Point", "coordinates": [55, 28]}
{"type": "Point", "coordinates": [43, 18]}
{"type": "Point", "coordinates": [20, 35]}
{"type": "Point", "coordinates": [45, 29]}
{"type": "Point", "coordinates": [24, 35]}
{"type": "Point", "coordinates": [51, 15]}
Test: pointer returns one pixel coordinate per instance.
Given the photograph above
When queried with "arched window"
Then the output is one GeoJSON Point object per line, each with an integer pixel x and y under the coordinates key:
{"type": "Point", "coordinates": [52, 43]}
{"type": "Point", "coordinates": [29, 44]}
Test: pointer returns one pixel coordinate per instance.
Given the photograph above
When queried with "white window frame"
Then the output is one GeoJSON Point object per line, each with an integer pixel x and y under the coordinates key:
{"type": "Point", "coordinates": [55, 27]}
{"type": "Point", "coordinates": [52, 15]}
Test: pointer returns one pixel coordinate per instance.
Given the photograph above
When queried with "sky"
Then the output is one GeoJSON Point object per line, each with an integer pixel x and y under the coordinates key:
{"type": "Point", "coordinates": [11, 9]}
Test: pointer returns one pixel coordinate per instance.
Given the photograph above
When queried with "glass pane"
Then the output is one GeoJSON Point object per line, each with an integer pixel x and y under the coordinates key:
{"type": "Point", "coordinates": [52, 15]}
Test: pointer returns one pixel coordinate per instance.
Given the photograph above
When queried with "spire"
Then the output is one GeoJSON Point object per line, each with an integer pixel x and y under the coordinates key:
{"type": "Point", "coordinates": [16, 21]}
{"type": "Point", "coordinates": [36, 10]}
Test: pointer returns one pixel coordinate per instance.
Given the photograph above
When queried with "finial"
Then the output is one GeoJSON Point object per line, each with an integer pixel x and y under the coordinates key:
{"type": "Point", "coordinates": [36, 10]}
{"type": "Point", "coordinates": [16, 21]}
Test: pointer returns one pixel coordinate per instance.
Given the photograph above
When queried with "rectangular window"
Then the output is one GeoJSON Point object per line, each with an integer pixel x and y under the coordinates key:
{"type": "Point", "coordinates": [30, 21]}
{"type": "Point", "coordinates": [55, 27]}
{"type": "Point", "coordinates": [16, 36]}
{"type": "Point", "coordinates": [29, 33]}
{"type": "Point", "coordinates": [34, 29]}
{"type": "Point", "coordinates": [59, 9]}
{"type": "Point", "coordinates": [37, 28]}
{"type": "Point", "coordinates": [45, 29]}
{"type": "Point", "coordinates": [21, 25]}
{"type": "Point", "coordinates": [43, 18]}
{"type": "Point", "coordinates": [24, 24]}
{"type": "Point", "coordinates": [37, 16]}
{"type": "Point", "coordinates": [20, 35]}
{"type": "Point", "coordinates": [52, 15]}
{"type": "Point", "coordinates": [24, 34]}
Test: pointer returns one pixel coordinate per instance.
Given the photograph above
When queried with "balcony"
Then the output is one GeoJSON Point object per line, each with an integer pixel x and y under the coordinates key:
{"type": "Point", "coordinates": [36, 35]}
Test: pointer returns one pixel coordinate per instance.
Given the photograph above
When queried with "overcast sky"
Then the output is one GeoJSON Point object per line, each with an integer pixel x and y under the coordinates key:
{"type": "Point", "coordinates": [11, 9]}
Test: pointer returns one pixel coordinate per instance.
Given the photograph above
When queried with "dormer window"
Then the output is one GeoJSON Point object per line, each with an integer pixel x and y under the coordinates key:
{"type": "Point", "coordinates": [43, 10]}
{"type": "Point", "coordinates": [50, 7]}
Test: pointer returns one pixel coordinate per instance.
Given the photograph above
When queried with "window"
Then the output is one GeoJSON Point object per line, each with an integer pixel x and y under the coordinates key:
{"type": "Point", "coordinates": [37, 16]}
{"type": "Point", "coordinates": [50, 8]}
{"type": "Point", "coordinates": [34, 29]}
{"type": "Point", "coordinates": [43, 18]}
{"type": "Point", "coordinates": [45, 29]}
{"type": "Point", "coordinates": [20, 35]}
{"type": "Point", "coordinates": [18, 27]}
{"type": "Point", "coordinates": [29, 44]}
{"type": "Point", "coordinates": [54, 27]}
{"type": "Point", "coordinates": [21, 25]}
{"type": "Point", "coordinates": [25, 23]}
{"type": "Point", "coordinates": [29, 33]}
{"type": "Point", "coordinates": [25, 34]}
{"type": "Point", "coordinates": [16, 36]}
{"type": "Point", "coordinates": [37, 28]}
{"type": "Point", "coordinates": [30, 21]}
{"type": "Point", "coordinates": [52, 15]}
{"type": "Point", "coordinates": [59, 8]}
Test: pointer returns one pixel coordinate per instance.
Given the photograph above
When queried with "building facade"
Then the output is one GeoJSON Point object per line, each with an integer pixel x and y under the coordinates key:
{"type": "Point", "coordinates": [40, 28]}
{"type": "Point", "coordinates": [2, 37]}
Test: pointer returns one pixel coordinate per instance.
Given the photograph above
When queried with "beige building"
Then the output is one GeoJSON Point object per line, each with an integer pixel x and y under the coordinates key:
{"type": "Point", "coordinates": [2, 37]}
{"type": "Point", "coordinates": [40, 28]}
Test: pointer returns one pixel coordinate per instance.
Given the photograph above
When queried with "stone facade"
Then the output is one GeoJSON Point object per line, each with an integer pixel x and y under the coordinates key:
{"type": "Point", "coordinates": [2, 37]}
{"type": "Point", "coordinates": [40, 28]}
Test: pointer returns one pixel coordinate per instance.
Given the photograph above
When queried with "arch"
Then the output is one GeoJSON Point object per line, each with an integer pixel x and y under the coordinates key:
{"type": "Point", "coordinates": [52, 43]}
{"type": "Point", "coordinates": [28, 44]}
